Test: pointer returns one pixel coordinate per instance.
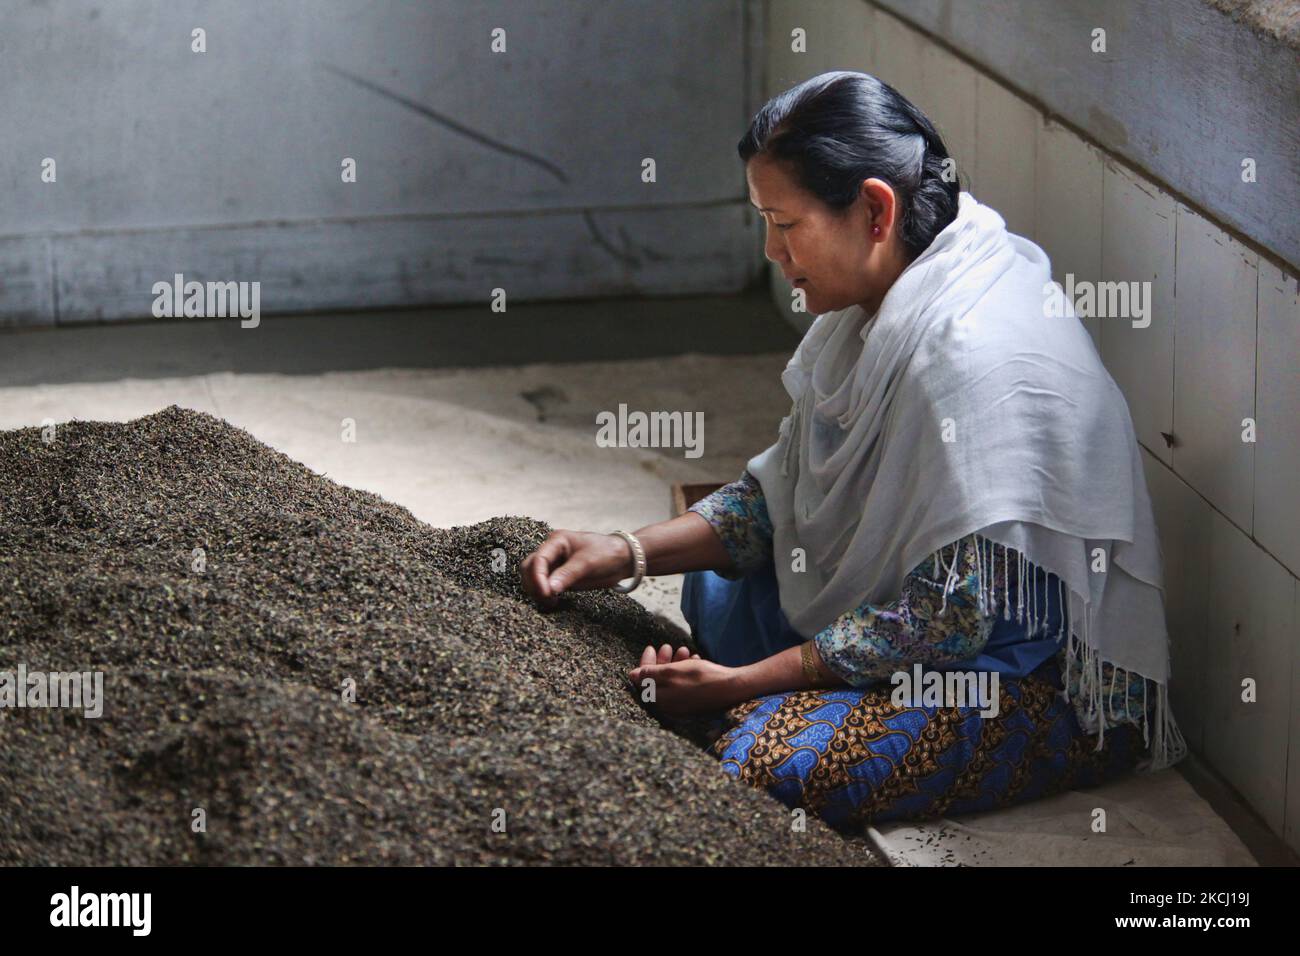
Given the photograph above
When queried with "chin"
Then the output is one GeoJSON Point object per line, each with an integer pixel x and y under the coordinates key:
{"type": "Point", "coordinates": [816, 304]}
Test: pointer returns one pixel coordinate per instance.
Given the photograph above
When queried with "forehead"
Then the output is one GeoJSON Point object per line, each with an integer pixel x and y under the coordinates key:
{"type": "Point", "coordinates": [770, 187]}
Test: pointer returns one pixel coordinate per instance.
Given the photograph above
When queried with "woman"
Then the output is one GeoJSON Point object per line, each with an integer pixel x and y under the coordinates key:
{"type": "Point", "coordinates": [957, 485]}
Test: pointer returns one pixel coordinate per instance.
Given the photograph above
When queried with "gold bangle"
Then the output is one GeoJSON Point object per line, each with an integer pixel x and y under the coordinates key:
{"type": "Point", "coordinates": [810, 670]}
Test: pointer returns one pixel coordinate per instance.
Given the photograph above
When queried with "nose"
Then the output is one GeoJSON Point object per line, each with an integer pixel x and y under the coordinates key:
{"type": "Point", "coordinates": [773, 247]}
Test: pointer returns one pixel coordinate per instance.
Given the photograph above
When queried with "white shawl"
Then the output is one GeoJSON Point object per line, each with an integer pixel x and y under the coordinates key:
{"type": "Point", "coordinates": [967, 409]}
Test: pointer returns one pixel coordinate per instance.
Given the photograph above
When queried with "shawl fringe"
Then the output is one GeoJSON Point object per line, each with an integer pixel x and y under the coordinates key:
{"type": "Point", "coordinates": [1170, 746]}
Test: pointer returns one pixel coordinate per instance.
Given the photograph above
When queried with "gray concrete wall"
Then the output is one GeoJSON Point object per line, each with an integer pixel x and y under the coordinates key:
{"type": "Point", "coordinates": [475, 170]}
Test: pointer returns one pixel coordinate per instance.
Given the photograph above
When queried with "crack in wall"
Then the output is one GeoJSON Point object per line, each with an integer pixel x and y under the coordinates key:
{"type": "Point", "coordinates": [421, 110]}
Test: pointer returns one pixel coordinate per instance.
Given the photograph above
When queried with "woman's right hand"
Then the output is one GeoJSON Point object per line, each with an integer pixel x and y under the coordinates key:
{"type": "Point", "coordinates": [575, 561]}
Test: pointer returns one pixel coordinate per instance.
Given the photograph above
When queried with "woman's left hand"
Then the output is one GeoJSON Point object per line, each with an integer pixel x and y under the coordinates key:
{"type": "Point", "coordinates": [684, 684]}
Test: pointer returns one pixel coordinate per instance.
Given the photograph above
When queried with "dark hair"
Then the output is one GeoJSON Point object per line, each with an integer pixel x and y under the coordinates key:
{"type": "Point", "coordinates": [839, 128]}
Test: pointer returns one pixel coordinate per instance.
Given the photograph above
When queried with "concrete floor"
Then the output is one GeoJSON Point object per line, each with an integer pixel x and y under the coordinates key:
{"type": "Point", "coordinates": [462, 414]}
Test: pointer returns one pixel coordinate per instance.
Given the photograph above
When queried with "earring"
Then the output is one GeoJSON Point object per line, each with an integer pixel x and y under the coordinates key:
{"type": "Point", "coordinates": [875, 229]}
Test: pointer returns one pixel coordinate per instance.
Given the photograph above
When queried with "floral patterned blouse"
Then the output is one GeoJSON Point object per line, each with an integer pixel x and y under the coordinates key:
{"type": "Point", "coordinates": [868, 643]}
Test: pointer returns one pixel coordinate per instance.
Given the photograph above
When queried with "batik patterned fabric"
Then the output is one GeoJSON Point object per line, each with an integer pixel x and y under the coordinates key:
{"type": "Point", "coordinates": [738, 513]}
{"type": "Point", "coordinates": [924, 625]}
{"type": "Point", "coordinates": [853, 756]}
{"type": "Point", "coordinates": [930, 623]}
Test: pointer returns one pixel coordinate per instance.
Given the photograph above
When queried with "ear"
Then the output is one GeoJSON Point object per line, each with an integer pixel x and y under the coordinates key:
{"type": "Point", "coordinates": [881, 204]}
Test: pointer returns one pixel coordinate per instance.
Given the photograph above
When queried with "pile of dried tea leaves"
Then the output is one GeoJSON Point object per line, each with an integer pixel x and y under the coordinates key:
{"type": "Point", "coordinates": [295, 672]}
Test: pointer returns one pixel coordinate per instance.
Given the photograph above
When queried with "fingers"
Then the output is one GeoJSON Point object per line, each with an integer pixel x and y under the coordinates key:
{"type": "Point", "coordinates": [652, 662]}
{"type": "Point", "coordinates": [567, 574]}
{"type": "Point", "coordinates": [536, 568]}
{"type": "Point", "coordinates": [666, 655]}
{"type": "Point", "coordinates": [554, 550]}
{"type": "Point", "coordinates": [532, 574]}
{"type": "Point", "coordinates": [638, 674]}
{"type": "Point", "coordinates": [539, 573]}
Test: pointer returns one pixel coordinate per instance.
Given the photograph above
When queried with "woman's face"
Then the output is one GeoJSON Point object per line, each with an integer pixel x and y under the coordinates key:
{"type": "Point", "coordinates": [832, 257]}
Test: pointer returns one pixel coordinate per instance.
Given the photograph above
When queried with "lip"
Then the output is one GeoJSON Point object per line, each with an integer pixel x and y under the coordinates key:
{"type": "Point", "coordinates": [794, 280]}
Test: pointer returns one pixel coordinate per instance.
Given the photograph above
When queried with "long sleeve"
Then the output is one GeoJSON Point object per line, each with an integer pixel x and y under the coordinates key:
{"type": "Point", "coordinates": [872, 641]}
{"type": "Point", "coordinates": [738, 514]}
